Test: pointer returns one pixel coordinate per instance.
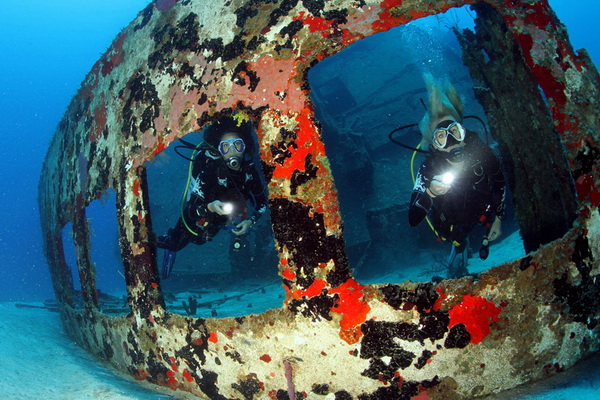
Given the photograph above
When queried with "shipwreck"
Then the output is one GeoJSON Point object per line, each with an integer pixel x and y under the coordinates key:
{"type": "Point", "coordinates": [180, 64]}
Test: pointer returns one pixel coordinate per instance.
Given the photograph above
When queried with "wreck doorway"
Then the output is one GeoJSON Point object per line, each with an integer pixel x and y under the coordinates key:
{"type": "Point", "coordinates": [361, 95]}
{"type": "Point", "coordinates": [105, 254]}
{"type": "Point", "coordinates": [227, 276]}
{"type": "Point", "coordinates": [69, 255]}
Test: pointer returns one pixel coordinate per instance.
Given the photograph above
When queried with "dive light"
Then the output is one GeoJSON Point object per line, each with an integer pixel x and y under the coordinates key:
{"type": "Point", "coordinates": [227, 208]}
{"type": "Point", "coordinates": [448, 178]}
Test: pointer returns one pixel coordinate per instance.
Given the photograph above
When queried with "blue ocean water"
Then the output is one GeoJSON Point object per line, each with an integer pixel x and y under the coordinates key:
{"type": "Point", "coordinates": [47, 49]}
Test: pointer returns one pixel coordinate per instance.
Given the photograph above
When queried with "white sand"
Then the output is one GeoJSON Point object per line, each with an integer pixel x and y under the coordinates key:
{"type": "Point", "coordinates": [38, 361]}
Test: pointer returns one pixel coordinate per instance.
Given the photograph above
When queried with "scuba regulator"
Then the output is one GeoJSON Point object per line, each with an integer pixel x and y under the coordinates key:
{"type": "Point", "coordinates": [234, 163]}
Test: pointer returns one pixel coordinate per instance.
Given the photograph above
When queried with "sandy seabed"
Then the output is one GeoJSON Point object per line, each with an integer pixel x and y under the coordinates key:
{"type": "Point", "coordinates": [39, 361]}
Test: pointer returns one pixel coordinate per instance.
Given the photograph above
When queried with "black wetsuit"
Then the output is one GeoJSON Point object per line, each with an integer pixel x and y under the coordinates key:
{"type": "Point", "coordinates": [212, 180]}
{"type": "Point", "coordinates": [476, 194]}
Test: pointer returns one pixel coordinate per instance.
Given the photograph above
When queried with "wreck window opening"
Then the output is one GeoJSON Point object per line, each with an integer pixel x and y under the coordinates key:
{"type": "Point", "coordinates": [361, 94]}
{"type": "Point", "coordinates": [228, 275]}
{"type": "Point", "coordinates": [106, 254]}
{"type": "Point", "coordinates": [70, 257]}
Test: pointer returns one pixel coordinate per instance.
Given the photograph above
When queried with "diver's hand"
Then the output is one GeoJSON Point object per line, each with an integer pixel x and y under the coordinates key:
{"type": "Point", "coordinates": [218, 207]}
{"type": "Point", "coordinates": [437, 187]}
{"type": "Point", "coordinates": [243, 227]}
{"type": "Point", "coordinates": [495, 230]}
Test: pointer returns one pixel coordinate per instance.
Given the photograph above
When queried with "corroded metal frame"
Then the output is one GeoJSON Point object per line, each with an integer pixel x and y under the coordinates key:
{"type": "Point", "coordinates": [181, 64]}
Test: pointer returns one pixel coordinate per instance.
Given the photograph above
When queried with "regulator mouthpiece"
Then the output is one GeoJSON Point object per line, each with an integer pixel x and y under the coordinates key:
{"type": "Point", "coordinates": [234, 163]}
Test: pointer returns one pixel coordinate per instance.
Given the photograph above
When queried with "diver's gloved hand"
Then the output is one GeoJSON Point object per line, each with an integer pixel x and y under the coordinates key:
{"type": "Point", "coordinates": [495, 230]}
{"type": "Point", "coordinates": [438, 187]}
{"type": "Point", "coordinates": [219, 207]}
{"type": "Point", "coordinates": [243, 227]}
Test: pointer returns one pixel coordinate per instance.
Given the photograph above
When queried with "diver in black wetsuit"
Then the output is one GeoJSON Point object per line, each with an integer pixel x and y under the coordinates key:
{"type": "Point", "coordinates": [223, 179]}
{"type": "Point", "coordinates": [460, 184]}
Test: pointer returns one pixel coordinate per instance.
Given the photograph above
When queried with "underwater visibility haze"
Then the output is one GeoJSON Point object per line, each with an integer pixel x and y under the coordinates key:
{"type": "Point", "coordinates": [47, 48]}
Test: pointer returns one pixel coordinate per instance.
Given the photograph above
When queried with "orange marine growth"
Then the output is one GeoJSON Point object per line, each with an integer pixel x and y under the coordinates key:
{"type": "Point", "coordinates": [353, 307]}
{"type": "Point", "coordinates": [476, 314]}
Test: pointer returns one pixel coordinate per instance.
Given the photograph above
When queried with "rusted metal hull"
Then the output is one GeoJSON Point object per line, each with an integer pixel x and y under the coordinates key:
{"type": "Point", "coordinates": [178, 66]}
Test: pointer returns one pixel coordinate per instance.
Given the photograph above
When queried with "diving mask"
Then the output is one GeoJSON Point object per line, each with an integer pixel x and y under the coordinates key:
{"type": "Point", "coordinates": [445, 128]}
{"type": "Point", "coordinates": [236, 144]}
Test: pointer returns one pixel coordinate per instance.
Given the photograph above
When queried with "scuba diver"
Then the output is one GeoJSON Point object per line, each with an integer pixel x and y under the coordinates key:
{"type": "Point", "coordinates": [223, 178]}
{"type": "Point", "coordinates": [460, 184]}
